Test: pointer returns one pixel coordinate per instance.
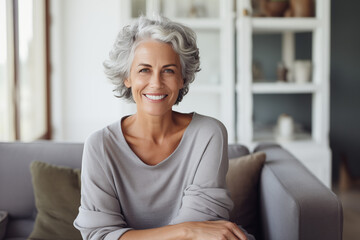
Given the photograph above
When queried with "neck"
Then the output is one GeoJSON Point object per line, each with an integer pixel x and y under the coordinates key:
{"type": "Point", "coordinates": [154, 128]}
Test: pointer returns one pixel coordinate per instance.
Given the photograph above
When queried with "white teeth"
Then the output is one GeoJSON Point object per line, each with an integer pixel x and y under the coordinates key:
{"type": "Point", "coordinates": [155, 97]}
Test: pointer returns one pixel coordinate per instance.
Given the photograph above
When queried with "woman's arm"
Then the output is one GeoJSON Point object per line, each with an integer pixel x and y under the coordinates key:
{"type": "Point", "coordinates": [206, 198]}
{"type": "Point", "coordinates": [208, 230]}
{"type": "Point", "coordinates": [100, 215]}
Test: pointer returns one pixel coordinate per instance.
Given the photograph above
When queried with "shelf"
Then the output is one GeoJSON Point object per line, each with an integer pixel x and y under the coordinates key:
{"type": "Point", "coordinates": [267, 134]}
{"type": "Point", "coordinates": [275, 25]}
{"type": "Point", "coordinates": [198, 23]}
{"type": "Point", "coordinates": [283, 88]}
{"type": "Point", "coordinates": [201, 23]}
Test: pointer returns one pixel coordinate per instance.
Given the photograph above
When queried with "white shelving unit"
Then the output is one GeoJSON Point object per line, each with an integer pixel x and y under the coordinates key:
{"type": "Point", "coordinates": [312, 148]}
{"type": "Point", "coordinates": [212, 92]}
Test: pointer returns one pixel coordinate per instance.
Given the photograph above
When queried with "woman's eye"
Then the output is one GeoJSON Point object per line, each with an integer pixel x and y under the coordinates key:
{"type": "Point", "coordinates": [169, 71]}
{"type": "Point", "coordinates": [144, 70]}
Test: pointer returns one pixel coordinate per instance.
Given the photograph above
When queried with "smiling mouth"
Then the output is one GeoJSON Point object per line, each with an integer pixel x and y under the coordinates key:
{"type": "Point", "coordinates": [155, 97]}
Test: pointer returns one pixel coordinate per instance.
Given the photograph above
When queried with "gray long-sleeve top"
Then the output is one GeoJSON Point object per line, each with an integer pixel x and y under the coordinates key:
{"type": "Point", "coordinates": [119, 192]}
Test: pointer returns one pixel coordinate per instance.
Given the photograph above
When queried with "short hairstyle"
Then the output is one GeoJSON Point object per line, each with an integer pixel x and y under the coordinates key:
{"type": "Point", "coordinates": [181, 38]}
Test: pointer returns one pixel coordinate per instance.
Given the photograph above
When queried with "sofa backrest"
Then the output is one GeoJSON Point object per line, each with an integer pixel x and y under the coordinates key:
{"type": "Point", "coordinates": [237, 150]}
{"type": "Point", "coordinates": [16, 192]}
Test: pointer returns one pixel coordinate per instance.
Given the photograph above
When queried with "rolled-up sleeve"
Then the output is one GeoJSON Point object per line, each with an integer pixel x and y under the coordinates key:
{"type": "Point", "coordinates": [207, 198]}
{"type": "Point", "coordinates": [100, 215]}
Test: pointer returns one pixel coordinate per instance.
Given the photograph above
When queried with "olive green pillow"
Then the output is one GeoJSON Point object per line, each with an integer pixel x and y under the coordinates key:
{"type": "Point", "coordinates": [57, 199]}
{"type": "Point", "coordinates": [242, 180]}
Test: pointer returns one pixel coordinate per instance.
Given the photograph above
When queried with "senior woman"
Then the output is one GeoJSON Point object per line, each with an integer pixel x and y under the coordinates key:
{"type": "Point", "coordinates": [157, 174]}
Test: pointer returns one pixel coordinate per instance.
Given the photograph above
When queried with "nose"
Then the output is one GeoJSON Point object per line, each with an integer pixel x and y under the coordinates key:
{"type": "Point", "coordinates": [156, 80]}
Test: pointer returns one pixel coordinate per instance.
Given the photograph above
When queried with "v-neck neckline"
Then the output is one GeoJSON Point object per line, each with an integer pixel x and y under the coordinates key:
{"type": "Point", "coordinates": [139, 160]}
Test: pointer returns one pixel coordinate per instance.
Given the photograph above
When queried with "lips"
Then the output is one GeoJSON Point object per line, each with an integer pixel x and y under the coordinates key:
{"type": "Point", "coordinates": [155, 97]}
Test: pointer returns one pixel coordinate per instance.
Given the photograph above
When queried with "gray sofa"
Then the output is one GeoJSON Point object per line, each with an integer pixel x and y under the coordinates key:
{"type": "Point", "coordinates": [294, 205]}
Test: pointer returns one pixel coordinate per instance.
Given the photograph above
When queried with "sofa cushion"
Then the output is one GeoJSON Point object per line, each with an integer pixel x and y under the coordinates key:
{"type": "Point", "coordinates": [242, 180]}
{"type": "Point", "coordinates": [57, 199]}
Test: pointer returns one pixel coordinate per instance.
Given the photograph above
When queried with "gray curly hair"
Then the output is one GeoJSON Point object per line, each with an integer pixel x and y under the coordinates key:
{"type": "Point", "coordinates": [181, 38]}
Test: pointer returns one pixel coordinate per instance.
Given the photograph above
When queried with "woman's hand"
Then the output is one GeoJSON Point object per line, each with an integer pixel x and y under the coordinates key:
{"type": "Point", "coordinates": [213, 230]}
{"type": "Point", "coordinates": [207, 230]}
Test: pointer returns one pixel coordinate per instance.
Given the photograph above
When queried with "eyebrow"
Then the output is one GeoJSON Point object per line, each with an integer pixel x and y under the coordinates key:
{"type": "Point", "coordinates": [144, 64]}
{"type": "Point", "coordinates": [170, 65]}
{"type": "Point", "coordinates": [165, 66]}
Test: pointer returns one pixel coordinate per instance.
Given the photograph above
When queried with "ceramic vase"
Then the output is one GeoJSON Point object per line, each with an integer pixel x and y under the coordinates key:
{"type": "Point", "coordinates": [273, 8]}
{"type": "Point", "coordinates": [301, 8]}
{"type": "Point", "coordinates": [302, 71]}
{"type": "Point", "coordinates": [285, 128]}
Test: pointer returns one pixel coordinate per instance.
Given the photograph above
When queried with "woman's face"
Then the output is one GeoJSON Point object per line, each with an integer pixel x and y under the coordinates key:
{"type": "Point", "coordinates": [155, 77]}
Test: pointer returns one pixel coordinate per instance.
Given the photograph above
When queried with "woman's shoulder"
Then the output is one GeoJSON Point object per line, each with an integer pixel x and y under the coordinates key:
{"type": "Point", "coordinates": [104, 134]}
{"type": "Point", "coordinates": [208, 124]}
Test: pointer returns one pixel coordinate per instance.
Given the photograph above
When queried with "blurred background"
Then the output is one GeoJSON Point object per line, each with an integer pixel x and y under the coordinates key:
{"type": "Point", "coordinates": [52, 85]}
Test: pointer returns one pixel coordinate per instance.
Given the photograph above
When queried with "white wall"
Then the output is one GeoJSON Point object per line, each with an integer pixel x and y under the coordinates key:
{"type": "Point", "coordinates": [82, 33]}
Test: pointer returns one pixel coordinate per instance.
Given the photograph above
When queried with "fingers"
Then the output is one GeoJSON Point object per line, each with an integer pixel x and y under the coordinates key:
{"type": "Point", "coordinates": [233, 231]}
{"type": "Point", "coordinates": [240, 234]}
{"type": "Point", "coordinates": [236, 231]}
{"type": "Point", "coordinates": [216, 230]}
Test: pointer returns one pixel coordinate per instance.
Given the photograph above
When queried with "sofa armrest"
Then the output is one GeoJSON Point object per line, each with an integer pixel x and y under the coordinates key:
{"type": "Point", "coordinates": [294, 203]}
{"type": "Point", "coordinates": [3, 223]}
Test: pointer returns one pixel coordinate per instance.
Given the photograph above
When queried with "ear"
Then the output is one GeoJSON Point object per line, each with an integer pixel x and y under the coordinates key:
{"type": "Point", "coordinates": [127, 82]}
